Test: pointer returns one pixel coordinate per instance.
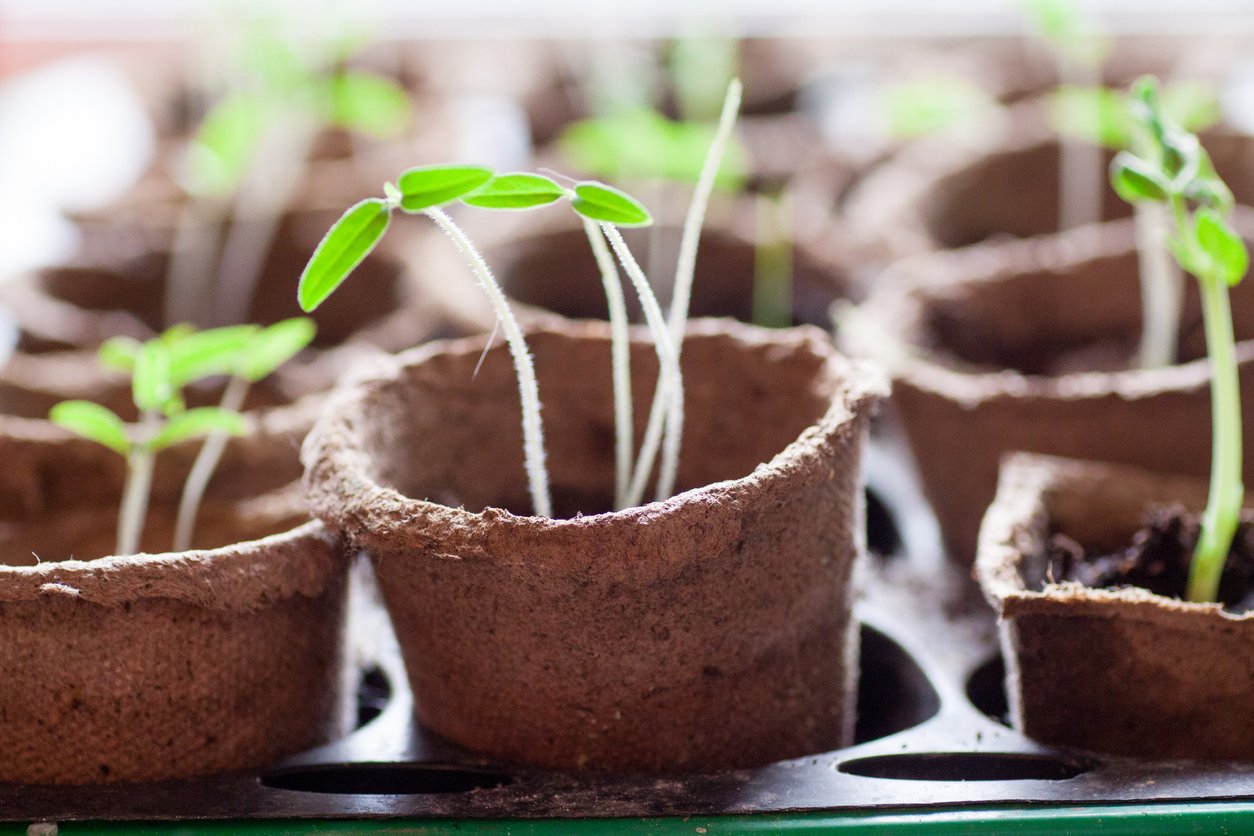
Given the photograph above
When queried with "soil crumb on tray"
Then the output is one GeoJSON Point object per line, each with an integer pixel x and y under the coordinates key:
{"type": "Point", "coordinates": [1158, 559]}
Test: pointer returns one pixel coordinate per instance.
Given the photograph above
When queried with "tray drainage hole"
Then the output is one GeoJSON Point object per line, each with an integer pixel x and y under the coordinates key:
{"type": "Point", "coordinates": [987, 690]}
{"type": "Point", "coordinates": [383, 779]}
{"type": "Point", "coordinates": [882, 535]}
{"type": "Point", "coordinates": [373, 693]}
{"type": "Point", "coordinates": [966, 766]}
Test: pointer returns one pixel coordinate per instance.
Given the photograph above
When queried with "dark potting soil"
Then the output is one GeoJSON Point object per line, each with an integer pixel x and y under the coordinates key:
{"type": "Point", "coordinates": [1158, 559]}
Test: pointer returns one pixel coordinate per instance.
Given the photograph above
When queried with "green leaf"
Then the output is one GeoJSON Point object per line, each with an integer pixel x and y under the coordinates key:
{"type": "Point", "coordinates": [1096, 114]}
{"type": "Point", "coordinates": [368, 103]}
{"type": "Point", "coordinates": [202, 354]}
{"type": "Point", "coordinates": [434, 185]}
{"type": "Point", "coordinates": [271, 347]}
{"type": "Point", "coordinates": [606, 204]}
{"type": "Point", "coordinates": [1135, 180]}
{"type": "Point", "coordinates": [643, 144]}
{"type": "Point", "coordinates": [119, 353]}
{"type": "Point", "coordinates": [223, 148]}
{"type": "Point", "coordinates": [515, 191]}
{"type": "Point", "coordinates": [1224, 248]}
{"type": "Point", "coordinates": [92, 421]}
{"type": "Point", "coordinates": [196, 423]}
{"type": "Point", "coordinates": [346, 244]}
{"type": "Point", "coordinates": [924, 106]}
{"type": "Point", "coordinates": [151, 383]}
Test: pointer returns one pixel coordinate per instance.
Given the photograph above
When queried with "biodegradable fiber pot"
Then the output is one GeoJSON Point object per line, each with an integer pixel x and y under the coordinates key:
{"type": "Point", "coordinates": [1123, 670]}
{"type": "Point", "coordinates": [711, 630]}
{"type": "Point", "coordinates": [1026, 345]}
{"type": "Point", "coordinates": [157, 666]}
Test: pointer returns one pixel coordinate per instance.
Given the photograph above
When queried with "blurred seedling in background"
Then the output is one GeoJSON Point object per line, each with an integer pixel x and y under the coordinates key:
{"type": "Point", "coordinates": [603, 209]}
{"type": "Point", "coordinates": [1172, 169]}
{"type": "Point", "coordinates": [160, 370]}
{"type": "Point", "coordinates": [249, 155]}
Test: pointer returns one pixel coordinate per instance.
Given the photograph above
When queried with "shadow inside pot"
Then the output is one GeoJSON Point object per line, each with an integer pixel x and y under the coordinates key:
{"type": "Point", "coordinates": [893, 692]}
{"type": "Point", "coordinates": [967, 766]}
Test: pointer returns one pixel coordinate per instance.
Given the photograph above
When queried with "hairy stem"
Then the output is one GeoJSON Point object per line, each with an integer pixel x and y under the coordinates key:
{"type": "Point", "coordinates": [620, 356]}
{"type": "Point", "coordinates": [139, 466]}
{"type": "Point", "coordinates": [1223, 506]}
{"type": "Point", "coordinates": [686, 265]}
{"type": "Point", "coordinates": [1161, 287]}
{"type": "Point", "coordinates": [668, 400]}
{"type": "Point", "coordinates": [204, 466]}
{"type": "Point", "coordinates": [524, 368]}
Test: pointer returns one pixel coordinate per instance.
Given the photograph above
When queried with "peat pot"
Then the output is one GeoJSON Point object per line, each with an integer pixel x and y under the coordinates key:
{"type": "Point", "coordinates": [1028, 345]}
{"type": "Point", "coordinates": [162, 665]}
{"type": "Point", "coordinates": [708, 631]}
{"type": "Point", "coordinates": [1123, 670]}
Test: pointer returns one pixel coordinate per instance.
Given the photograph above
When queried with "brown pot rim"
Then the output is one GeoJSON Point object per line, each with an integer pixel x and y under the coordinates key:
{"type": "Point", "coordinates": [1020, 514]}
{"type": "Point", "coordinates": [342, 492]}
{"type": "Point", "coordinates": [887, 326]}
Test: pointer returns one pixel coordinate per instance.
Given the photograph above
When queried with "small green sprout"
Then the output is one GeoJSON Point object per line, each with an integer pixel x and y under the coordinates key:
{"type": "Point", "coordinates": [248, 158]}
{"type": "Point", "coordinates": [1176, 171]}
{"type": "Point", "coordinates": [160, 369]}
{"type": "Point", "coordinates": [427, 189]}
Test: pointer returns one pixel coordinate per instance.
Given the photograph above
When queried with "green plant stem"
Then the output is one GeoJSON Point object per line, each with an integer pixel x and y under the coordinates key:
{"type": "Point", "coordinates": [524, 367]}
{"type": "Point", "coordinates": [273, 180]}
{"type": "Point", "coordinates": [1161, 288]}
{"type": "Point", "coordinates": [772, 263]}
{"type": "Point", "coordinates": [139, 467]}
{"type": "Point", "coordinates": [1223, 507]}
{"type": "Point", "coordinates": [192, 256]}
{"type": "Point", "coordinates": [620, 356]}
{"type": "Point", "coordinates": [669, 397]}
{"type": "Point", "coordinates": [204, 466]}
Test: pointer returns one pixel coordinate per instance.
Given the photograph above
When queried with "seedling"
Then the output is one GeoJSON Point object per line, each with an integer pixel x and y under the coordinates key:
{"type": "Point", "coordinates": [1176, 171]}
{"type": "Point", "coordinates": [248, 158]}
{"type": "Point", "coordinates": [160, 369]}
{"type": "Point", "coordinates": [425, 190]}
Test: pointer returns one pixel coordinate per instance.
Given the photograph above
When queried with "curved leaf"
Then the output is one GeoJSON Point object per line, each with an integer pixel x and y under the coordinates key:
{"type": "Point", "coordinates": [605, 204]}
{"type": "Point", "coordinates": [151, 384]}
{"type": "Point", "coordinates": [92, 421]}
{"type": "Point", "coordinates": [347, 243]}
{"type": "Point", "coordinates": [119, 353]}
{"type": "Point", "coordinates": [1224, 247]}
{"type": "Point", "coordinates": [515, 191]}
{"type": "Point", "coordinates": [202, 354]}
{"type": "Point", "coordinates": [271, 347]}
{"type": "Point", "coordinates": [194, 423]}
{"type": "Point", "coordinates": [434, 185]}
{"type": "Point", "coordinates": [1135, 180]}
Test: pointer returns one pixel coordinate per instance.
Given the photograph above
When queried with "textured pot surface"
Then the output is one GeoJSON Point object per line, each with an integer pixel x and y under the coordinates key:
{"type": "Point", "coordinates": [711, 630]}
{"type": "Point", "coordinates": [1002, 348]}
{"type": "Point", "coordinates": [159, 666]}
{"type": "Point", "coordinates": [1113, 670]}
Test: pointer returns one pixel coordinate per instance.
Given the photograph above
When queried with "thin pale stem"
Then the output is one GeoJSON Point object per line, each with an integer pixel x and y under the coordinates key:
{"type": "Point", "coordinates": [259, 205]}
{"type": "Point", "coordinates": [620, 357]}
{"type": "Point", "coordinates": [139, 466]}
{"type": "Point", "coordinates": [1223, 506]}
{"type": "Point", "coordinates": [1161, 287]}
{"type": "Point", "coordinates": [1080, 180]}
{"type": "Point", "coordinates": [192, 257]}
{"type": "Point", "coordinates": [524, 368]}
{"type": "Point", "coordinates": [668, 400]}
{"type": "Point", "coordinates": [686, 264]}
{"type": "Point", "coordinates": [204, 466]}
{"type": "Point", "coordinates": [772, 263]}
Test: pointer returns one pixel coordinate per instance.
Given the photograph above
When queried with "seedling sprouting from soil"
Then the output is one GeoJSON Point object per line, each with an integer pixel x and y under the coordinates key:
{"type": "Point", "coordinates": [603, 209]}
{"type": "Point", "coordinates": [247, 159]}
{"type": "Point", "coordinates": [1177, 172]}
{"type": "Point", "coordinates": [160, 369]}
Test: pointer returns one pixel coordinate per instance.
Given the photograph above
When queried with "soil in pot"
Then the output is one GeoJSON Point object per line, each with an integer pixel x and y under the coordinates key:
{"type": "Point", "coordinates": [707, 631]}
{"type": "Point", "coordinates": [1028, 345]}
{"type": "Point", "coordinates": [1121, 669]}
{"type": "Point", "coordinates": [159, 665]}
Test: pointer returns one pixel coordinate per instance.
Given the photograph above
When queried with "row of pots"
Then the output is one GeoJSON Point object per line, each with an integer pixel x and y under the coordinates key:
{"type": "Point", "coordinates": [718, 646]}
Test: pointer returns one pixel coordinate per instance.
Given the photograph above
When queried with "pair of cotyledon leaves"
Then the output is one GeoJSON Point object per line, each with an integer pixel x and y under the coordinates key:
{"type": "Point", "coordinates": [423, 188]}
{"type": "Point", "coordinates": [161, 367]}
